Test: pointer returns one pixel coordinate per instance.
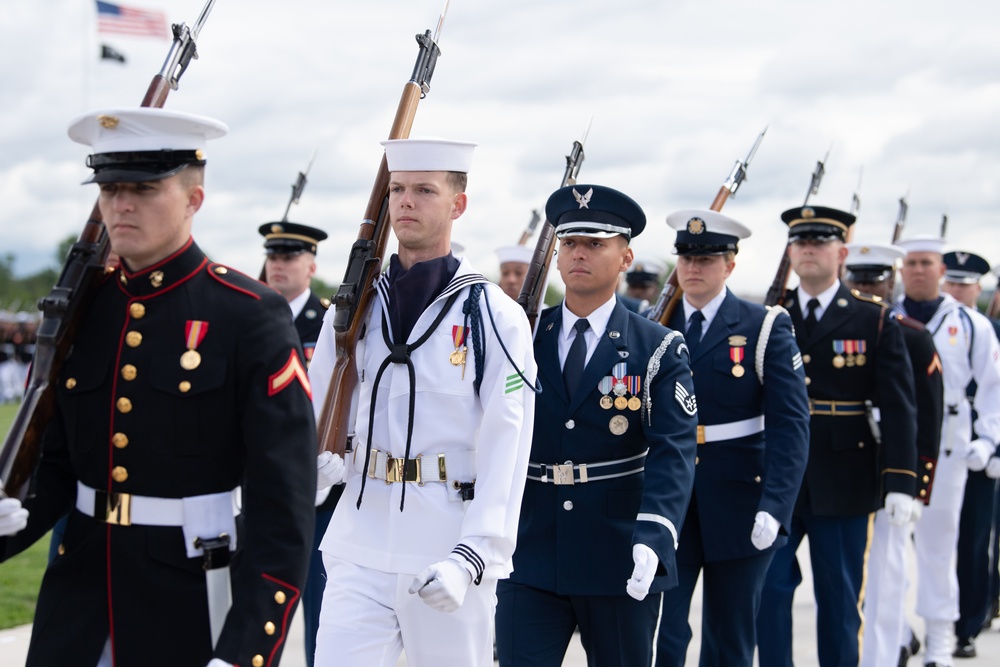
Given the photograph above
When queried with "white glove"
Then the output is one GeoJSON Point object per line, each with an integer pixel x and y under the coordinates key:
{"type": "Point", "coordinates": [13, 517]}
{"type": "Point", "coordinates": [443, 585]}
{"type": "Point", "coordinates": [898, 507]}
{"type": "Point", "coordinates": [978, 454]}
{"type": "Point", "coordinates": [645, 560]}
{"type": "Point", "coordinates": [216, 662]}
{"type": "Point", "coordinates": [765, 530]}
{"type": "Point", "coordinates": [993, 467]}
{"type": "Point", "coordinates": [916, 510]}
{"type": "Point", "coordinates": [330, 470]}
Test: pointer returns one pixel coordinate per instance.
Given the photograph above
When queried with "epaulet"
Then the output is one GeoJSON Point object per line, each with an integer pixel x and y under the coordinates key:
{"type": "Point", "coordinates": [908, 321]}
{"type": "Point", "coordinates": [870, 298]}
{"type": "Point", "coordinates": [237, 281]}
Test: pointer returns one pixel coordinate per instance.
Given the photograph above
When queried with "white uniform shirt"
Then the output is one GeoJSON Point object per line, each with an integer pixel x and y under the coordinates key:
{"type": "Point", "coordinates": [485, 438]}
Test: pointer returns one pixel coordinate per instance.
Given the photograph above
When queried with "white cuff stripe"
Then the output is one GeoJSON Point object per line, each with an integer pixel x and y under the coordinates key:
{"type": "Point", "coordinates": [662, 520]}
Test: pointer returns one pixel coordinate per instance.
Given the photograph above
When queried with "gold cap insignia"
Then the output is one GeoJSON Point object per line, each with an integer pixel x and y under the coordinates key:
{"type": "Point", "coordinates": [108, 122]}
{"type": "Point", "coordinates": [277, 229]}
{"type": "Point", "coordinates": [865, 250]}
{"type": "Point", "coordinates": [199, 154]}
{"type": "Point", "coordinates": [808, 213]}
{"type": "Point", "coordinates": [696, 226]}
{"type": "Point", "coordinates": [156, 278]}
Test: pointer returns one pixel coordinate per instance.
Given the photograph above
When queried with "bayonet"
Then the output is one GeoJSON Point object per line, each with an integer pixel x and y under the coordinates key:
{"type": "Point", "coordinates": [817, 176]}
{"type": "Point", "coordinates": [944, 226]}
{"type": "Point", "coordinates": [897, 230]}
{"type": "Point", "coordinates": [856, 197]}
{"type": "Point", "coordinates": [739, 172]}
{"type": "Point", "coordinates": [529, 231]}
{"type": "Point", "coordinates": [299, 186]}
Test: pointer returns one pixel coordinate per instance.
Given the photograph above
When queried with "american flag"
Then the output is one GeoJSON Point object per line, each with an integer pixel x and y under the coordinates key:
{"type": "Point", "coordinates": [121, 20]}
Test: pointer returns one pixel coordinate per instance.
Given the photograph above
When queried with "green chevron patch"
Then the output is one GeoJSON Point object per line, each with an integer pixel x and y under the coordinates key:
{"type": "Point", "coordinates": [514, 382]}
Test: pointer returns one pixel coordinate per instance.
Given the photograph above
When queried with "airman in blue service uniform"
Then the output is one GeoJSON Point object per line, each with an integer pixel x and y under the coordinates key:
{"type": "Point", "coordinates": [963, 271]}
{"type": "Point", "coordinates": [855, 360]}
{"type": "Point", "coordinates": [753, 441]}
{"type": "Point", "coordinates": [186, 380]}
{"type": "Point", "coordinates": [870, 268]}
{"type": "Point", "coordinates": [612, 455]}
{"type": "Point", "coordinates": [289, 267]}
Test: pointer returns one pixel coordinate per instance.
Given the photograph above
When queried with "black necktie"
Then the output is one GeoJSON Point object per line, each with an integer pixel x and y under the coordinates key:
{"type": "Point", "coordinates": [810, 321]}
{"type": "Point", "coordinates": [693, 336]}
{"type": "Point", "coordinates": [576, 358]}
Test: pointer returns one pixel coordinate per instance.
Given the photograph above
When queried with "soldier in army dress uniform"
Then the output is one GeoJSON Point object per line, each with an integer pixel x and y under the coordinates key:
{"type": "Point", "coordinates": [289, 267]}
{"type": "Point", "coordinates": [612, 455]}
{"type": "Point", "coordinates": [186, 380]}
{"type": "Point", "coordinates": [753, 441]}
{"type": "Point", "coordinates": [855, 361]}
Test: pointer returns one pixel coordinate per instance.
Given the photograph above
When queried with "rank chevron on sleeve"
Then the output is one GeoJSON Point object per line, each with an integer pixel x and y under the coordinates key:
{"type": "Point", "coordinates": [291, 371]}
{"type": "Point", "coordinates": [513, 383]}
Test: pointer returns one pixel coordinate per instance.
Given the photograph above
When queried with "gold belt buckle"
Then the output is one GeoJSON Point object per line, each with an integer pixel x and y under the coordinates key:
{"type": "Point", "coordinates": [402, 470]}
{"type": "Point", "coordinates": [562, 474]}
{"type": "Point", "coordinates": [701, 434]}
{"type": "Point", "coordinates": [118, 509]}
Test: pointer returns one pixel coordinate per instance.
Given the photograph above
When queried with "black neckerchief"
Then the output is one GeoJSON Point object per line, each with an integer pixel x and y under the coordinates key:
{"type": "Point", "coordinates": [922, 311]}
{"type": "Point", "coordinates": [412, 290]}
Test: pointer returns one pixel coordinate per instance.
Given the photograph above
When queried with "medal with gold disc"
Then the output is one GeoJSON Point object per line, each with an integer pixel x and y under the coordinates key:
{"type": "Point", "coordinates": [457, 358]}
{"type": "Point", "coordinates": [736, 354]}
{"type": "Point", "coordinates": [194, 333]}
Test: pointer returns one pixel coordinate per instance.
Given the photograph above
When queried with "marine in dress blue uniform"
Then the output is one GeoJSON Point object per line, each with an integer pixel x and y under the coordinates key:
{"type": "Point", "coordinates": [855, 360]}
{"type": "Point", "coordinates": [186, 380]}
{"type": "Point", "coordinates": [963, 271]}
{"type": "Point", "coordinates": [753, 441]}
{"type": "Point", "coordinates": [291, 250]}
{"type": "Point", "coordinates": [612, 456]}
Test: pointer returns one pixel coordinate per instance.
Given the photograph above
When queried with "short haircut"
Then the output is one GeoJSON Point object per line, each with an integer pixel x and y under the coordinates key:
{"type": "Point", "coordinates": [191, 175]}
{"type": "Point", "coordinates": [458, 180]}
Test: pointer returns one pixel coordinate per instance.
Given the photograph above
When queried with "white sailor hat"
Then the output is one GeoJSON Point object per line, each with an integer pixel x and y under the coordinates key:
{"type": "Point", "coordinates": [645, 270]}
{"type": "Point", "coordinates": [143, 144]}
{"type": "Point", "coordinates": [870, 262]}
{"type": "Point", "coordinates": [705, 232]}
{"type": "Point", "coordinates": [594, 210]}
{"type": "Point", "coordinates": [428, 154]}
{"type": "Point", "coordinates": [922, 243]}
{"type": "Point", "coordinates": [519, 254]}
{"type": "Point", "coordinates": [965, 268]}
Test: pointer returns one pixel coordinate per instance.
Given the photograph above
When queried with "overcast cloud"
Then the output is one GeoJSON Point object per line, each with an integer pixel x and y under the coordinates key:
{"type": "Point", "coordinates": [677, 91]}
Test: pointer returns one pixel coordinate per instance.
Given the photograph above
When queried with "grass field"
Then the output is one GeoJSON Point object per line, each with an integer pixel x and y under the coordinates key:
{"type": "Point", "coordinates": [21, 576]}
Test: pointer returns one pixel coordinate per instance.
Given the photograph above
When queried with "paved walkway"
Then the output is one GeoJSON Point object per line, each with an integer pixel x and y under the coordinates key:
{"type": "Point", "coordinates": [14, 642]}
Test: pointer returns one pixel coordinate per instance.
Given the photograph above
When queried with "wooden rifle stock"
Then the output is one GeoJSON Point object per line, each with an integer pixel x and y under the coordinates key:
{"type": "Point", "coordinates": [993, 308]}
{"type": "Point", "coordinates": [65, 306]}
{"type": "Point", "coordinates": [354, 296]}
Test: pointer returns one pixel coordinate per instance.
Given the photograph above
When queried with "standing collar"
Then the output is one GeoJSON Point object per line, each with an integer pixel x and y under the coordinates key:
{"type": "Point", "coordinates": [165, 274]}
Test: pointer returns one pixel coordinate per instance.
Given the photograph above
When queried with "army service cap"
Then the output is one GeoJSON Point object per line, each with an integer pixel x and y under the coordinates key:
{"type": "Point", "coordinates": [143, 144]}
{"type": "Point", "coordinates": [594, 210]}
{"type": "Point", "coordinates": [706, 232]}
{"type": "Point", "coordinates": [428, 154]}
{"type": "Point", "coordinates": [819, 223]}
{"type": "Point", "coordinates": [965, 268]}
{"type": "Point", "coordinates": [290, 238]}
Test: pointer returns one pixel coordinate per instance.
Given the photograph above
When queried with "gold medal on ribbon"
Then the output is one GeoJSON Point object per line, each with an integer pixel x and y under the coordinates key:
{"type": "Point", "coordinates": [738, 371]}
{"type": "Point", "coordinates": [737, 354]}
{"type": "Point", "coordinates": [190, 360]}
{"type": "Point", "coordinates": [457, 357]}
{"type": "Point", "coordinates": [861, 359]}
{"type": "Point", "coordinates": [621, 402]}
{"type": "Point", "coordinates": [606, 402]}
{"type": "Point", "coordinates": [634, 403]}
{"type": "Point", "coordinates": [838, 361]}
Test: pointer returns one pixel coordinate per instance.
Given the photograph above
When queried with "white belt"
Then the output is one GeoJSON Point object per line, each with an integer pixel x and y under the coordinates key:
{"type": "Point", "coordinates": [126, 509]}
{"type": "Point", "coordinates": [730, 431]}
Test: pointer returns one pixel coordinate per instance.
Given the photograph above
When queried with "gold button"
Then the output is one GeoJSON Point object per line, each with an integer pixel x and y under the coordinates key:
{"type": "Point", "coordinates": [119, 440]}
{"type": "Point", "coordinates": [221, 270]}
{"type": "Point", "coordinates": [119, 474]}
{"type": "Point", "coordinates": [133, 339]}
{"type": "Point", "coordinates": [62, 549]}
{"type": "Point", "coordinates": [808, 381]}
{"type": "Point", "coordinates": [279, 597]}
{"type": "Point", "coordinates": [257, 661]}
{"type": "Point", "coordinates": [70, 383]}
{"type": "Point", "coordinates": [124, 405]}
{"type": "Point", "coordinates": [927, 479]}
{"type": "Point", "coordinates": [137, 310]}
{"type": "Point", "coordinates": [929, 466]}
{"type": "Point", "coordinates": [269, 628]}
{"type": "Point", "coordinates": [757, 479]}
{"type": "Point", "coordinates": [128, 372]}
{"type": "Point", "coordinates": [806, 358]}
{"type": "Point", "coordinates": [184, 386]}
{"type": "Point", "coordinates": [923, 492]}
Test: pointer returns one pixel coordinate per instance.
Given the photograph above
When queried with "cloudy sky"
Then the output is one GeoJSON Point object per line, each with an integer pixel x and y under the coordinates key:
{"type": "Point", "coordinates": [906, 93]}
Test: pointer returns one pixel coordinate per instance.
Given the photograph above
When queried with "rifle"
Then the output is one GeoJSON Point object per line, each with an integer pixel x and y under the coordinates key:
{"type": "Point", "coordinates": [530, 229]}
{"type": "Point", "coordinates": [536, 280]}
{"type": "Point", "coordinates": [897, 230]}
{"type": "Point", "coordinates": [64, 307]}
{"type": "Point", "coordinates": [297, 187]}
{"type": "Point", "coordinates": [776, 292]}
{"type": "Point", "coordinates": [993, 307]}
{"type": "Point", "coordinates": [353, 299]}
{"type": "Point", "coordinates": [944, 226]}
{"type": "Point", "coordinates": [671, 293]}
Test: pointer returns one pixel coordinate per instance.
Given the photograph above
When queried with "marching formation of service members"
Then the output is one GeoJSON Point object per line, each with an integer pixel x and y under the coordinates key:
{"type": "Point", "coordinates": [511, 478]}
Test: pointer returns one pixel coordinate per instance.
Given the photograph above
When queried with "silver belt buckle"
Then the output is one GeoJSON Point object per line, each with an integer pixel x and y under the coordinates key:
{"type": "Point", "coordinates": [562, 474]}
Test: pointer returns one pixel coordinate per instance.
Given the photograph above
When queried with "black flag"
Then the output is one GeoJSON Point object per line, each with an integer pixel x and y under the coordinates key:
{"type": "Point", "coordinates": [108, 53]}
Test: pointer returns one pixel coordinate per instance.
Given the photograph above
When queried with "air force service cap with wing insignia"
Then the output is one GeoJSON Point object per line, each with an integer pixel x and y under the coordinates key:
{"type": "Point", "coordinates": [143, 144]}
{"type": "Point", "coordinates": [706, 232]}
{"type": "Point", "coordinates": [964, 268]}
{"type": "Point", "coordinates": [594, 210]}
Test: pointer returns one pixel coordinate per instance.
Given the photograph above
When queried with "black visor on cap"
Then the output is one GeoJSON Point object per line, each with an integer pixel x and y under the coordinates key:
{"type": "Point", "coordinates": [139, 166]}
{"type": "Point", "coordinates": [871, 274]}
